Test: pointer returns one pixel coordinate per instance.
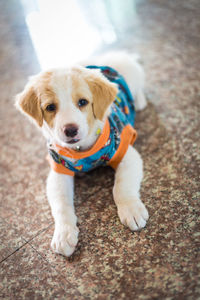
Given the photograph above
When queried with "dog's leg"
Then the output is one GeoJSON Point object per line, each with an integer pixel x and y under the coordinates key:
{"type": "Point", "coordinates": [60, 196]}
{"type": "Point", "coordinates": [131, 210]}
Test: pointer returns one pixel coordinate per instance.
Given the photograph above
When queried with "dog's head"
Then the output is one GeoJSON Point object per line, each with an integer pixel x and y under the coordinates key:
{"type": "Point", "coordinates": [66, 103]}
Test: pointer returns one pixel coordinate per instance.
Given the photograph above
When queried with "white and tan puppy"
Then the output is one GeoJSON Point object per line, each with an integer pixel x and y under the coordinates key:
{"type": "Point", "coordinates": [70, 105]}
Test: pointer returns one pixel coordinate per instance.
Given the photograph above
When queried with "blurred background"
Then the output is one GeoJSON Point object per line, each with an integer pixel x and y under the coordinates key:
{"type": "Point", "coordinates": [110, 262]}
{"type": "Point", "coordinates": [70, 30]}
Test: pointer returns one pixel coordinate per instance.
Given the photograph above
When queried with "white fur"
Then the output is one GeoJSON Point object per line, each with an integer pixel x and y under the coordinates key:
{"type": "Point", "coordinates": [129, 173]}
{"type": "Point", "coordinates": [68, 112]}
{"type": "Point", "coordinates": [60, 196]}
{"type": "Point", "coordinates": [128, 177]}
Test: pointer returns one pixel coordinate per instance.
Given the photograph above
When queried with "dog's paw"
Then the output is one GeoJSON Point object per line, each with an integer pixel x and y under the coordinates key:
{"type": "Point", "coordinates": [65, 239]}
{"type": "Point", "coordinates": [133, 214]}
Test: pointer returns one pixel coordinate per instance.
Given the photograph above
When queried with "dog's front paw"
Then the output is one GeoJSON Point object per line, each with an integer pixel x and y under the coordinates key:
{"type": "Point", "coordinates": [65, 239]}
{"type": "Point", "coordinates": [133, 213]}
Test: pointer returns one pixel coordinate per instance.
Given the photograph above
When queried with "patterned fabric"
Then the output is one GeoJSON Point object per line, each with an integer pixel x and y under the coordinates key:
{"type": "Point", "coordinates": [112, 144]}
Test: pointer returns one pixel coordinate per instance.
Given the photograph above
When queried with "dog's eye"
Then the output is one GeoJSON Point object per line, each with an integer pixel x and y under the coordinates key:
{"type": "Point", "coordinates": [82, 102]}
{"type": "Point", "coordinates": [51, 107]}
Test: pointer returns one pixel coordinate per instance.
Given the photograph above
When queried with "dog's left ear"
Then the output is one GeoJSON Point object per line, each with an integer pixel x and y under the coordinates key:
{"type": "Point", "coordinates": [103, 91]}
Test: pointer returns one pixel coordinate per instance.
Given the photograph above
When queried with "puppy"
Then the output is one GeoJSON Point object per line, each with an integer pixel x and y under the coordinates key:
{"type": "Point", "coordinates": [87, 116]}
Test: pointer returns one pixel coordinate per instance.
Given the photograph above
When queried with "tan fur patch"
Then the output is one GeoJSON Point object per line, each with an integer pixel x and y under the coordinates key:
{"type": "Point", "coordinates": [48, 97]}
{"type": "Point", "coordinates": [104, 93]}
{"type": "Point", "coordinates": [49, 116]}
{"type": "Point", "coordinates": [35, 98]}
{"type": "Point", "coordinates": [90, 117]}
{"type": "Point", "coordinates": [30, 104]}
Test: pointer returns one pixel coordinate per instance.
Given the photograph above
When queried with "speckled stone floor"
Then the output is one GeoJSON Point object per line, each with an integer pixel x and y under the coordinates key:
{"type": "Point", "coordinates": [161, 261]}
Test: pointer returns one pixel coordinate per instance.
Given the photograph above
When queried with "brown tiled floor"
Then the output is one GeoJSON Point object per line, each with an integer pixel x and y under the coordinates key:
{"type": "Point", "coordinates": [160, 262]}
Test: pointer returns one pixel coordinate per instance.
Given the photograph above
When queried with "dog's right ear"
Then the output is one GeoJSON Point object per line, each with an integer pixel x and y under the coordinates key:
{"type": "Point", "coordinates": [28, 103]}
{"type": "Point", "coordinates": [103, 91]}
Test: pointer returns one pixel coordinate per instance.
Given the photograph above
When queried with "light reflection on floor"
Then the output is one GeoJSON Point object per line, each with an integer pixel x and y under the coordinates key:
{"type": "Point", "coordinates": [64, 32]}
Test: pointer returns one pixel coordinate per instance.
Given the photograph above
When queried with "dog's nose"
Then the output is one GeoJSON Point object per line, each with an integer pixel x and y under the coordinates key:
{"type": "Point", "coordinates": [70, 130]}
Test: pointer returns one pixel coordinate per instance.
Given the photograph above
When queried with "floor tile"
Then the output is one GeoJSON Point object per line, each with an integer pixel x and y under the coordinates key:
{"type": "Point", "coordinates": [110, 262]}
{"type": "Point", "coordinates": [25, 275]}
{"type": "Point", "coordinates": [10, 240]}
{"type": "Point", "coordinates": [158, 259]}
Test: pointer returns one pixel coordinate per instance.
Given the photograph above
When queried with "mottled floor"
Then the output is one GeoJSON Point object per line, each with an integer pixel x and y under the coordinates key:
{"type": "Point", "coordinates": [160, 262]}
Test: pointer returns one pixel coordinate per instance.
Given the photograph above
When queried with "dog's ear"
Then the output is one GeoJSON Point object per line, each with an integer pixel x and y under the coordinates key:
{"type": "Point", "coordinates": [28, 103]}
{"type": "Point", "coordinates": [103, 91]}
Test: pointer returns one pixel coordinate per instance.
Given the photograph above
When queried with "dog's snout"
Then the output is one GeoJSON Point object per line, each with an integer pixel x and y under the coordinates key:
{"type": "Point", "coordinates": [70, 130]}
